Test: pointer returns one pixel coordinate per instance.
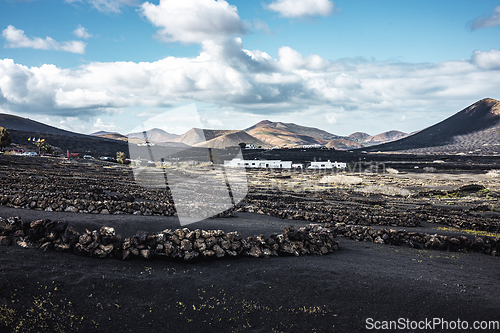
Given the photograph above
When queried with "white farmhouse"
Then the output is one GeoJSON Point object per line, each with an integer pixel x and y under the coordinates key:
{"type": "Point", "coordinates": [272, 164]}
{"type": "Point", "coordinates": [327, 165]}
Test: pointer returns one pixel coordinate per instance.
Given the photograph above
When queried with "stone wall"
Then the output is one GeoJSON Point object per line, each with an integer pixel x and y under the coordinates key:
{"type": "Point", "coordinates": [92, 203]}
{"type": "Point", "coordinates": [487, 245]}
{"type": "Point", "coordinates": [182, 244]}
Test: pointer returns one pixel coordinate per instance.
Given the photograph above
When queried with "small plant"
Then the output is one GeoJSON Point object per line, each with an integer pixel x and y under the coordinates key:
{"type": "Point", "coordinates": [120, 157]}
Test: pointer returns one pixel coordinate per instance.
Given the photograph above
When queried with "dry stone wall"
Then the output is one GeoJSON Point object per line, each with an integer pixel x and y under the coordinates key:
{"type": "Point", "coordinates": [418, 240]}
{"type": "Point", "coordinates": [182, 244]}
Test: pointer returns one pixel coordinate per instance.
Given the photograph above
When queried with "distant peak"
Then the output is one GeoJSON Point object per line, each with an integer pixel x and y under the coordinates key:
{"type": "Point", "coordinates": [263, 123]}
{"type": "Point", "coordinates": [489, 100]}
{"type": "Point", "coordinates": [488, 105]}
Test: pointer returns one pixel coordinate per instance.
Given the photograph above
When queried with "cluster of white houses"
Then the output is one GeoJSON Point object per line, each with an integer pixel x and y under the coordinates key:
{"type": "Point", "coordinates": [279, 164]}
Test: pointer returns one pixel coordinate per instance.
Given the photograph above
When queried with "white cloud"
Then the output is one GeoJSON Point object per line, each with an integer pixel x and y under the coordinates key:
{"type": "Point", "coordinates": [99, 125]}
{"type": "Point", "coordinates": [289, 59]}
{"type": "Point", "coordinates": [108, 6]}
{"type": "Point", "coordinates": [487, 22]}
{"type": "Point", "coordinates": [16, 38]}
{"type": "Point", "coordinates": [251, 81]}
{"type": "Point", "coordinates": [487, 60]}
{"type": "Point", "coordinates": [330, 118]}
{"type": "Point", "coordinates": [258, 25]}
{"type": "Point", "coordinates": [193, 21]}
{"type": "Point", "coordinates": [82, 32]}
{"type": "Point", "coordinates": [302, 8]}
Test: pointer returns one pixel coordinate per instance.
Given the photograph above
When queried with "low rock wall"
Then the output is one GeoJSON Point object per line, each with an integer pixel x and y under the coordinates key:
{"type": "Point", "coordinates": [112, 204]}
{"type": "Point", "coordinates": [182, 244]}
{"type": "Point", "coordinates": [487, 245]}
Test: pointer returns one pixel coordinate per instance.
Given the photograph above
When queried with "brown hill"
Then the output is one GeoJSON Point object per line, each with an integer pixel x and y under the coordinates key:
{"type": "Point", "coordinates": [358, 136]}
{"type": "Point", "coordinates": [341, 144]}
{"type": "Point", "coordinates": [233, 138]}
{"type": "Point", "coordinates": [279, 137]}
{"type": "Point", "coordinates": [385, 137]}
{"type": "Point", "coordinates": [114, 136]}
{"type": "Point", "coordinates": [291, 129]}
{"type": "Point", "coordinates": [154, 135]}
{"type": "Point", "coordinates": [198, 135]}
{"type": "Point", "coordinates": [475, 129]}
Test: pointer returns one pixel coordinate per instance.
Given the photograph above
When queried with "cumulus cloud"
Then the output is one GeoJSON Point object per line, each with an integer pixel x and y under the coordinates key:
{"type": "Point", "coordinates": [100, 125]}
{"type": "Point", "coordinates": [301, 8]}
{"type": "Point", "coordinates": [487, 22]}
{"type": "Point", "coordinates": [193, 21]}
{"type": "Point", "coordinates": [16, 38]}
{"type": "Point", "coordinates": [251, 81]}
{"type": "Point", "coordinates": [289, 59]}
{"type": "Point", "coordinates": [108, 6]}
{"type": "Point", "coordinates": [486, 60]}
{"type": "Point", "coordinates": [82, 32]}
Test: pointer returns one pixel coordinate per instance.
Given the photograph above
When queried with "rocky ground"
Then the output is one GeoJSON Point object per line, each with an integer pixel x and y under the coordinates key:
{"type": "Point", "coordinates": [427, 247]}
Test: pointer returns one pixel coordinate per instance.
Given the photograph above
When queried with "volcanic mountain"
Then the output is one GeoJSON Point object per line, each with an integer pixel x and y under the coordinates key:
{"type": "Point", "coordinates": [11, 122]}
{"type": "Point", "coordinates": [21, 129]}
{"type": "Point", "coordinates": [358, 136]}
{"type": "Point", "coordinates": [110, 135]}
{"type": "Point", "coordinates": [154, 135]}
{"type": "Point", "coordinates": [361, 139]}
{"type": "Point", "coordinates": [265, 127]}
{"type": "Point", "coordinates": [289, 134]}
{"type": "Point", "coordinates": [475, 129]}
{"type": "Point", "coordinates": [341, 144]}
{"type": "Point", "coordinates": [200, 135]}
{"type": "Point", "coordinates": [233, 138]}
{"type": "Point", "coordinates": [385, 137]}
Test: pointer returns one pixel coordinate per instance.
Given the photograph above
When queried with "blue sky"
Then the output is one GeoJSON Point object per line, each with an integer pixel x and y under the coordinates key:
{"type": "Point", "coordinates": [342, 66]}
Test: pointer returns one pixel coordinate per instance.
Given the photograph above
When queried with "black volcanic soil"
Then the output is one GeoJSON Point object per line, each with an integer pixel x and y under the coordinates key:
{"type": "Point", "coordinates": [61, 292]}
{"type": "Point", "coordinates": [332, 293]}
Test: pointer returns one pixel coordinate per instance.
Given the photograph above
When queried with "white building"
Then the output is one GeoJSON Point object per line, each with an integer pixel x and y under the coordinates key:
{"type": "Point", "coordinates": [312, 146]}
{"type": "Point", "coordinates": [272, 164]}
{"type": "Point", "coordinates": [327, 165]}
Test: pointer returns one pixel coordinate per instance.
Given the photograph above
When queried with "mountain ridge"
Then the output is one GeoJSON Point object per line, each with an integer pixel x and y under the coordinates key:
{"type": "Point", "coordinates": [471, 129]}
{"type": "Point", "coordinates": [475, 128]}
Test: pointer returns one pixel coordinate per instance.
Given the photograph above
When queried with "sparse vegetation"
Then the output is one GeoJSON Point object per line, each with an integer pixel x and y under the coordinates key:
{"type": "Point", "coordinates": [386, 190]}
{"type": "Point", "coordinates": [5, 138]}
{"type": "Point", "coordinates": [45, 147]}
{"type": "Point", "coordinates": [120, 157]}
{"type": "Point", "coordinates": [493, 173]}
{"type": "Point", "coordinates": [340, 179]}
{"type": "Point", "coordinates": [471, 232]}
